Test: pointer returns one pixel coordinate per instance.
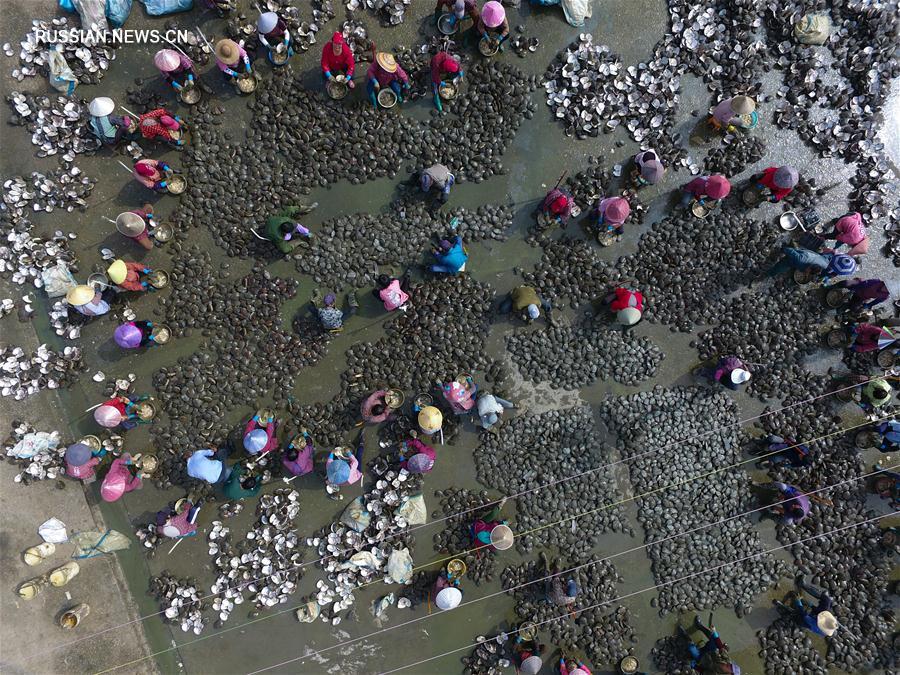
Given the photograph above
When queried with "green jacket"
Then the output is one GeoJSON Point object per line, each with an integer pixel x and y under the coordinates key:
{"type": "Point", "coordinates": [232, 488]}
{"type": "Point", "coordinates": [273, 225]}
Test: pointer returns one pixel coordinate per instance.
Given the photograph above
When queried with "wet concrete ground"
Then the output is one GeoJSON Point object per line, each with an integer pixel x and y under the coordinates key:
{"type": "Point", "coordinates": [539, 154]}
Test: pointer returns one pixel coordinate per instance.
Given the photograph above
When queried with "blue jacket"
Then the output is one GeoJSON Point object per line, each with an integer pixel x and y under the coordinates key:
{"type": "Point", "coordinates": [455, 257]}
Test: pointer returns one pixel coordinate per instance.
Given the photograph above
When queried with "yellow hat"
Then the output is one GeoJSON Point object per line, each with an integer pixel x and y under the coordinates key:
{"type": "Point", "coordinates": [80, 295]}
{"type": "Point", "coordinates": [117, 272]}
{"type": "Point", "coordinates": [430, 419]}
{"type": "Point", "coordinates": [386, 61]}
{"type": "Point", "coordinates": [228, 52]}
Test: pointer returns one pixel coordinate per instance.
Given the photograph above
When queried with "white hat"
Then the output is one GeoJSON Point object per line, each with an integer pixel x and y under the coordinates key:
{"type": "Point", "coordinates": [739, 375]}
{"type": "Point", "coordinates": [448, 598]}
{"type": "Point", "coordinates": [827, 623]}
{"type": "Point", "coordinates": [533, 311]}
{"type": "Point", "coordinates": [267, 22]}
{"type": "Point", "coordinates": [100, 106]}
{"type": "Point", "coordinates": [628, 316]}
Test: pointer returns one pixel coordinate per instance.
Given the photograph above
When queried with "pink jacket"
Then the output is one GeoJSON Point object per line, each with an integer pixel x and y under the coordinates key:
{"type": "Point", "coordinates": [850, 229]}
{"type": "Point", "coordinates": [83, 471]}
{"type": "Point", "coordinates": [563, 670]}
{"type": "Point", "coordinates": [393, 296]}
{"type": "Point", "coordinates": [366, 408]}
{"type": "Point", "coordinates": [304, 462]}
{"type": "Point", "coordinates": [384, 78]}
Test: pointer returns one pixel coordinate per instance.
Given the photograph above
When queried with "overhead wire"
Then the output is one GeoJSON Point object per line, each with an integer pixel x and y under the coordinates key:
{"type": "Point", "coordinates": [517, 534]}
{"type": "Point", "coordinates": [570, 570]}
{"type": "Point", "coordinates": [516, 495]}
{"type": "Point", "coordinates": [686, 577]}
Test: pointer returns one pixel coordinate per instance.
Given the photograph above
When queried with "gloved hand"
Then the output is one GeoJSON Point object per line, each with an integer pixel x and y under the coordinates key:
{"type": "Point", "coordinates": [286, 41]}
{"type": "Point", "coordinates": [350, 83]}
{"type": "Point", "coordinates": [162, 183]}
{"type": "Point", "coordinates": [247, 67]}
{"type": "Point", "coordinates": [144, 284]}
{"type": "Point", "coordinates": [164, 167]}
{"type": "Point", "coordinates": [328, 75]}
{"type": "Point", "coordinates": [176, 85]}
{"type": "Point", "coordinates": [190, 79]}
{"type": "Point", "coordinates": [146, 270]}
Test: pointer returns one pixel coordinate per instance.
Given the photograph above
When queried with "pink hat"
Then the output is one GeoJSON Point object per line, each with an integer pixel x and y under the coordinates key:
{"type": "Point", "coordinates": [145, 169]}
{"type": "Point", "coordinates": [493, 14]}
{"type": "Point", "coordinates": [107, 416]}
{"type": "Point", "coordinates": [337, 38]}
{"type": "Point", "coordinates": [451, 65]}
{"type": "Point", "coordinates": [166, 60]}
{"type": "Point", "coordinates": [717, 187]}
{"type": "Point", "coordinates": [169, 122]}
{"type": "Point", "coordinates": [617, 210]}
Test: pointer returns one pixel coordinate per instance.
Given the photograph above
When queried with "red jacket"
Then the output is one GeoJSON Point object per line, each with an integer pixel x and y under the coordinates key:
{"type": "Point", "coordinates": [132, 279]}
{"type": "Point", "coordinates": [768, 180]}
{"type": "Point", "coordinates": [338, 63]}
{"type": "Point", "coordinates": [626, 298]}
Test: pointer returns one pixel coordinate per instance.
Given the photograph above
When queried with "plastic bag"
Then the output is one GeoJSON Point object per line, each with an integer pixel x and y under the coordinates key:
{"type": "Point", "coordinates": [412, 509]}
{"type": "Point", "coordinates": [355, 516]}
{"type": "Point", "coordinates": [363, 559]}
{"type": "Point", "coordinates": [54, 531]}
{"type": "Point", "coordinates": [577, 11]}
{"type": "Point", "coordinates": [57, 280]}
{"type": "Point", "coordinates": [92, 544]}
{"type": "Point", "coordinates": [117, 11]}
{"type": "Point", "coordinates": [33, 443]}
{"type": "Point", "coordinates": [399, 566]}
{"type": "Point", "coordinates": [160, 7]}
{"type": "Point", "coordinates": [92, 13]}
{"type": "Point", "coordinates": [61, 76]}
{"type": "Point", "coordinates": [308, 612]}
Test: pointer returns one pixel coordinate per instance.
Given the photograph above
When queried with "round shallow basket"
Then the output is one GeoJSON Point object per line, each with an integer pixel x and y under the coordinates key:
{"type": "Point", "coordinates": [337, 87]}
{"type": "Point", "coordinates": [394, 398]}
{"type": "Point", "coordinates": [387, 98]}
{"type": "Point", "coordinates": [886, 358]}
{"type": "Point", "coordinates": [448, 91]}
{"type": "Point", "coordinates": [246, 83]}
{"type": "Point", "coordinates": [265, 415]}
{"type": "Point", "coordinates": [528, 631]}
{"type": "Point", "coordinates": [148, 464]}
{"type": "Point", "coordinates": [190, 94]}
{"type": "Point", "coordinates": [700, 211]}
{"type": "Point", "coordinates": [789, 221]}
{"type": "Point", "coordinates": [161, 334]}
{"type": "Point", "coordinates": [448, 24]}
{"type": "Point", "coordinates": [835, 297]}
{"type": "Point", "coordinates": [751, 196]}
{"type": "Point", "coordinates": [93, 442]}
{"type": "Point", "coordinates": [163, 232]}
{"type": "Point", "coordinates": [865, 439]}
{"type": "Point", "coordinates": [98, 280]}
{"type": "Point", "coordinates": [488, 46]}
{"type": "Point", "coordinates": [279, 58]}
{"type": "Point", "coordinates": [606, 238]}
{"type": "Point", "coordinates": [176, 184]}
{"type": "Point", "coordinates": [158, 278]}
{"type": "Point", "coordinates": [846, 394]}
{"type": "Point", "coordinates": [146, 410]}
{"type": "Point", "coordinates": [628, 665]}
{"type": "Point", "coordinates": [803, 276]}
{"type": "Point", "coordinates": [423, 400]}
{"type": "Point", "coordinates": [837, 338]}
{"type": "Point", "coordinates": [456, 567]}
